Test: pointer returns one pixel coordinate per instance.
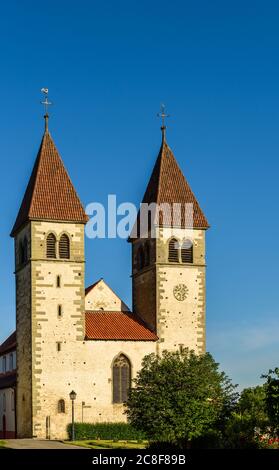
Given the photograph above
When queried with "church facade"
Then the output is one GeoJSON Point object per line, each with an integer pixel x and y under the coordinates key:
{"type": "Point", "coordinates": [69, 337]}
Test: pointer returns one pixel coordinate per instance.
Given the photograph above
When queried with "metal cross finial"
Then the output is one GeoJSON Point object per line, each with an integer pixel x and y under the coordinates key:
{"type": "Point", "coordinates": [46, 104]}
{"type": "Point", "coordinates": [163, 115]}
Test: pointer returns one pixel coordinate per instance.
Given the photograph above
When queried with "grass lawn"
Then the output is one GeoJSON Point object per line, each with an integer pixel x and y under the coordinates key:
{"type": "Point", "coordinates": [2, 444]}
{"type": "Point", "coordinates": [109, 444]}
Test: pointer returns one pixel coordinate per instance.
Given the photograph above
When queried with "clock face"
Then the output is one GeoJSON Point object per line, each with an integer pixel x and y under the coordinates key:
{"type": "Point", "coordinates": [180, 292]}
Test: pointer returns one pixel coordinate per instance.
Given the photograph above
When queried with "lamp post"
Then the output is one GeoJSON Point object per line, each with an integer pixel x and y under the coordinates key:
{"type": "Point", "coordinates": [73, 396]}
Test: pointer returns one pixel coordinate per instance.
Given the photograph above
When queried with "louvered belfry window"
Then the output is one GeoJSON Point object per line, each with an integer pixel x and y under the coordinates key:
{"type": "Point", "coordinates": [64, 247]}
{"type": "Point", "coordinates": [121, 379]}
{"type": "Point", "coordinates": [51, 246]}
{"type": "Point", "coordinates": [173, 251]}
{"type": "Point", "coordinates": [187, 251]}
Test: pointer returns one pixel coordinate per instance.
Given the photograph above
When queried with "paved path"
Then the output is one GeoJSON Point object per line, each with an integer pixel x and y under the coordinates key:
{"type": "Point", "coordinates": [38, 444]}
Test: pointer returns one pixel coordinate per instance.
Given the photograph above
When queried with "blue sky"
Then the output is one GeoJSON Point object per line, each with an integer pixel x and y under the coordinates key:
{"type": "Point", "coordinates": [108, 66]}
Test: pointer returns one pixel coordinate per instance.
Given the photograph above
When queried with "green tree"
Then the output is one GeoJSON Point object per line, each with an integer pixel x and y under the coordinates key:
{"type": "Point", "coordinates": [179, 396]}
{"type": "Point", "coordinates": [252, 404]}
{"type": "Point", "coordinates": [272, 397]}
{"type": "Point", "coordinates": [248, 419]}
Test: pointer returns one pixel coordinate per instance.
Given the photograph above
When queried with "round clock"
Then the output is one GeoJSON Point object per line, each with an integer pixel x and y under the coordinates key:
{"type": "Point", "coordinates": [180, 292]}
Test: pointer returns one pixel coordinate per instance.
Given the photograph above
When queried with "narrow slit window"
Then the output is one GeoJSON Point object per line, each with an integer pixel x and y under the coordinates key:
{"type": "Point", "coordinates": [58, 281]}
{"type": "Point", "coordinates": [58, 346]}
{"type": "Point", "coordinates": [59, 311]}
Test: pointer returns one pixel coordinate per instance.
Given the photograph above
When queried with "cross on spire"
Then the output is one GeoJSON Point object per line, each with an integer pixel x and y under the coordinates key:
{"type": "Point", "coordinates": [46, 104]}
{"type": "Point", "coordinates": [163, 115]}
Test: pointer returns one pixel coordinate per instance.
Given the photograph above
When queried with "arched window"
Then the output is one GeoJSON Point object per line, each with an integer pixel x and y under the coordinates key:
{"type": "Point", "coordinates": [64, 247]}
{"type": "Point", "coordinates": [61, 406]}
{"type": "Point", "coordinates": [146, 254]}
{"type": "Point", "coordinates": [140, 258]}
{"type": "Point", "coordinates": [187, 251]}
{"type": "Point", "coordinates": [51, 246]}
{"type": "Point", "coordinates": [121, 379]}
{"type": "Point", "coordinates": [173, 251]}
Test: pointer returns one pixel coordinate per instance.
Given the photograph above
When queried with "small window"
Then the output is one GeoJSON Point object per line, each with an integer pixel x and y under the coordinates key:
{"type": "Point", "coordinates": [121, 379]}
{"type": "Point", "coordinates": [64, 247]}
{"type": "Point", "coordinates": [58, 346]}
{"type": "Point", "coordinates": [51, 246]}
{"type": "Point", "coordinates": [61, 406]}
{"type": "Point", "coordinates": [147, 254]}
{"type": "Point", "coordinates": [140, 258]}
{"type": "Point", "coordinates": [23, 251]}
{"type": "Point", "coordinates": [59, 310]}
{"type": "Point", "coordinates": [187, 251]}
{"type": "Point", "coordinates": [11, 362]}
{"type": "Point", "coordinates": [58, 281]}
{"type": "Point", "coordinates": [173, 251]}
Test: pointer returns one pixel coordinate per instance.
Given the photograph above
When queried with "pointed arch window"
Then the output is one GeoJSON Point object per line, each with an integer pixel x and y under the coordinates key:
{"type": "Point", "coordinates": [61, 406]}
{"type": "Point", "coordinates": [173, 251]}
{"type": "Point", "coordinates": [64, 247]}
{"type": "Point", "coordinates": [187, 251]}
{"type": "Point", "coordinates": [121, 379]}
{"type": "Point", "coordinates": [51, 246]}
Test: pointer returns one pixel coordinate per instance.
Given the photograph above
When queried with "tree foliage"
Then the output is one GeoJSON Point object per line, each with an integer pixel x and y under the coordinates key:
{"type": "Point", "coordinates": [272, 397]}
{"type": "Point", "coordinates": [178, 396]}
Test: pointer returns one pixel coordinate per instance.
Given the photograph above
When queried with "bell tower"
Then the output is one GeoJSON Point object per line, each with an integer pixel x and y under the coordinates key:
{"type": "Point", "coordinates": [49, 271]}
{"type": "Point", "coordinates": [168, 262]}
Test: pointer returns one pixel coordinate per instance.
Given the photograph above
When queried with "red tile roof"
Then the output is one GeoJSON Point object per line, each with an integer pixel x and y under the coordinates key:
{"type": "Point", "coordinates": [50, 194]}
{"type": "Point", "coordinates": [167, 184]}
{"type": "Point", "coordinates": [9, 344]}
{"type": "Point", "coordinates": [101, 325]}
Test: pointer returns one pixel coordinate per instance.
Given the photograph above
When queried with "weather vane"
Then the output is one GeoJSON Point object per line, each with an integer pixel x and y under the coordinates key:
{"type": "Point", "coordinates": [46, 103]}
{"type": "Point", "coordinates": [163, 115]}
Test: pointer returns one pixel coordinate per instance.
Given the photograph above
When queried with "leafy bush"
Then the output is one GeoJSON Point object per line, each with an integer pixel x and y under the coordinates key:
{"type": "Point", "coordinates": [109, 431]}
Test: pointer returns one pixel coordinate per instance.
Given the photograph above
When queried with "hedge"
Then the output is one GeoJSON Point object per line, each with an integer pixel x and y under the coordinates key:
{"type": "Point", "coordinates": [107, 431]}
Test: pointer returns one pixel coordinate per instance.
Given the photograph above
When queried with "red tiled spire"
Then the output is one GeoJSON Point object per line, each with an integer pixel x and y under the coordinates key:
{"type": "Point", "coordinates": [167, 184]}
{"type": "Point", "coordinates": [50, 194]}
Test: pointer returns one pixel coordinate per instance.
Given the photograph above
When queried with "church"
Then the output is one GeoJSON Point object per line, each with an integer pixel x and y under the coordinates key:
{"type": "Point", "coordinates": [70, 337]}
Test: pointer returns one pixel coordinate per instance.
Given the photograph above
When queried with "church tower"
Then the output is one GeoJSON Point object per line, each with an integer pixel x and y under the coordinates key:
{"type": "Point", "coordinates": [49, 271]}
{"type": "Point", "coordinates": [168, 262]}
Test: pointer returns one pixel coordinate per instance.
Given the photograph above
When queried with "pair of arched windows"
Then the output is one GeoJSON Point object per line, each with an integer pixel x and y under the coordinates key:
{"type": "Point", "coordinates": [63, 246]}
{"type": "Point", "coordinates": [180, 253]}
{"type": "Point", "coordinates": [23, 251]}
{"type": "Point", "coordinates": [121, 379]}
{"type": "Point", "coordinates": [143, 256]}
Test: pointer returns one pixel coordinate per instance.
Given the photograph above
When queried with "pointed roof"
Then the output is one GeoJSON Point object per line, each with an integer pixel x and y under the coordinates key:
{"type": "Point", "coordinates": [50, 194]}
{"type": "Point", "coordinates": [167, 184]}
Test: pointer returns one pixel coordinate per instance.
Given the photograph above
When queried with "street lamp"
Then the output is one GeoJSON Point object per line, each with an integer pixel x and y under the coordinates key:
{"type": "Point", "coordinates": [73, 396]}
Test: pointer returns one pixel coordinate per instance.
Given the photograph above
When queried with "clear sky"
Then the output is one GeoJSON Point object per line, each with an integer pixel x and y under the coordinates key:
{"type": "Point", "coordinates": [108, 66]}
